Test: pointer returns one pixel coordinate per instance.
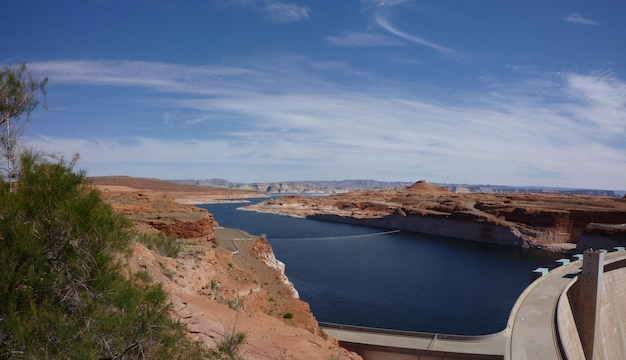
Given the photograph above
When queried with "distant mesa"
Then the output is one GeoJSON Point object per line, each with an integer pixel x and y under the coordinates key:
{"type": "Point", "coordinates": [343, 186]}
{"type": "Point", "coordinates": [422, 187]}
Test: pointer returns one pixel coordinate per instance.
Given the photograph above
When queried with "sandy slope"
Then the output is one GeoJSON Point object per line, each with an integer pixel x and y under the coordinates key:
{"type": "Point", "coordinates": [213, 290]}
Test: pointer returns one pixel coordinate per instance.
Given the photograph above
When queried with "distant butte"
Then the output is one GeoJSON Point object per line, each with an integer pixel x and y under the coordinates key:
{"type": "Point", "coordinates": [422, 187]}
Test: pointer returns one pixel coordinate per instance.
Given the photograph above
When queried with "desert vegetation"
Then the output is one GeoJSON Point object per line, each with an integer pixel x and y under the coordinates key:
{"type": "Point", "coordinates": [65, 289]}
{"type": "Point", "coordinates": [63, 292]}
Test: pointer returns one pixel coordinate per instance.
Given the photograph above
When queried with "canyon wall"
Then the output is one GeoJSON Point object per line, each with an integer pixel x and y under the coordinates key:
{"type": "Point", "coordinates": [440, 226]}
{"type": "Point", "coordinates": [216, 291]}
{"type": "Point", "coordinates": [602, 236]}
{"type": "Point", "coordinates": [552, 221]}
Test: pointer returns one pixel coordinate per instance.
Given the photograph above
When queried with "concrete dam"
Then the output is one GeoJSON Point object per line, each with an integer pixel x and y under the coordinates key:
{"type": "Point", "coordinates": [577, 310]}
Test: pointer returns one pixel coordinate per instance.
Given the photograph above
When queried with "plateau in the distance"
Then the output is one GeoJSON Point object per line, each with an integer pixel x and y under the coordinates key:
{"type": "Point", "coordinates": [342, 186]}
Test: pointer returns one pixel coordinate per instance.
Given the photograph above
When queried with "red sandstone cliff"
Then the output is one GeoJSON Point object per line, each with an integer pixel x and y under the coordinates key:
{"type": "Point", "coordinates": [213, 290]}
{"type": "Point", "coordinates": [555, 221]}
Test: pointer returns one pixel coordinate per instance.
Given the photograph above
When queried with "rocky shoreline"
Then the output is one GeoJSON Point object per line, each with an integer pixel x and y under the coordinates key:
{"type": "Point", "coordinates": [557, 222]}
{"type": "Point", "coordinates": [215, 286]}
{"type": "Point", "coordinates": [213, 289]}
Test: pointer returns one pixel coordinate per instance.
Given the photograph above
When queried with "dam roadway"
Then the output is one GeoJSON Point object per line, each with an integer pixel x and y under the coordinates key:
{"type": "Point", "coordinates": [532, 331]}
{"type": "Point", "coordinates": [535, 329]}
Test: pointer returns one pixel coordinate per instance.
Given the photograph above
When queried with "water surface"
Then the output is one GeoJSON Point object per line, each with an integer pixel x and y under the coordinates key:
{"type": "Point", "coordinates": [405, 281]}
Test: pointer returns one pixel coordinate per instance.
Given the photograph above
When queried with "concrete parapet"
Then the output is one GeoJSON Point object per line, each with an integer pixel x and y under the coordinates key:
{"type": "Point", "coordinates": [384, 344]}
{"type": "Point", "coordinates": [539, 272]}
{"type": "Point", "coordinates": [575, 311]}
{"type": "Point", "coordinates": [563, 262]}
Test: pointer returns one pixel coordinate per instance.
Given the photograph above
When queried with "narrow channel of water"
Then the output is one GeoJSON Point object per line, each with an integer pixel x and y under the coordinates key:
{"type": "Point", "coordinates": [405, 281]}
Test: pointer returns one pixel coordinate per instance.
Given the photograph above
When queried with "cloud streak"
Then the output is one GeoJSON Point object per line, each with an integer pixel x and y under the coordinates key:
{"type": "Point", "coordinates": [576, 18]}
{"type": "Point", "coordinates": [256, 125]}
{"type": "Point", "coordinates": [362, 39]}
{"type": "Point", "coordinates": [274, 11]}
{"type": "Point", "coordinates": [384, 23]}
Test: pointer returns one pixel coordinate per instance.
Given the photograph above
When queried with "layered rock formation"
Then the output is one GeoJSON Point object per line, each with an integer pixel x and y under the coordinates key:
{"type": "Point", "coordinates": [603, 236]}
{"type": "Point", "coordinates": [214, 295]}
{"type": "Point", "coordinates": [342, 186]}
{"type": "Point", "coordinates": [554, 221]}
{"type": "Point", "coordinates": [158, 212]}
{"type": "Point", "coordinates": [184, 194]}
{"type": "Point", "coordinates": [213, 291]}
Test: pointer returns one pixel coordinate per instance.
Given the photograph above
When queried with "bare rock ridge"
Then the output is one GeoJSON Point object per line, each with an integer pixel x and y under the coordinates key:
{"type": "Point", "coordinates": [213, 290]}
{"type": "Point", "coordinates": [186, 194]}
{"type": "Point", "coordinates": [342, 186]}
{"type": "Point", "coordinates": [422, 187]}
{"type": "Point", "coordinates": [556, 221]}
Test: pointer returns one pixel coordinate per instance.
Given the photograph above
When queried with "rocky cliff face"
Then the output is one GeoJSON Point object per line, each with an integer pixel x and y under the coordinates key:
{"type": "Point", "coordinates": [343, 186]}
{"type": "Point", "coordinates": [157, 211]}
{"type": "Point", "coordinates": [299, 187]}
{"type": "Point", "coordinates": [555, 221]}
{"type": "Point", "coordinates": [214, 291]}
{"type": "Point", "coordinates": [214, 296]}
{"type": "Point", "coordinates": [602, 236]}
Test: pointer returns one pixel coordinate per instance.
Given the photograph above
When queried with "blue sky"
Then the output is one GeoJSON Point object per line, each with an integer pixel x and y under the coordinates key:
{"type": "Point", "coordinates": [489, 92]}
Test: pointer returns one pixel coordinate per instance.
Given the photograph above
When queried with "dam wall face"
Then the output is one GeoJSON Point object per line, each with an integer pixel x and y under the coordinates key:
{"type": "Point", "coordinates": [568, 332]}
{"type": "Point", "coordinates": [610, 330]}
{"type": "Point", "coordinates": [612, 342]}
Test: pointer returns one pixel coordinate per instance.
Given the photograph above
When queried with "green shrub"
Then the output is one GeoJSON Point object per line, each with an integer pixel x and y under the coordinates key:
{"type": "Point", "coordinates": [161, 243]}
{"type": "Point", "coordinates": [62, 293]}
{"type": "Point", "coordinates": [143, 276]}
{"type": "Point", "coordinates": [288, 315]}
{"type": "Point", "coordinates": [230, 345]}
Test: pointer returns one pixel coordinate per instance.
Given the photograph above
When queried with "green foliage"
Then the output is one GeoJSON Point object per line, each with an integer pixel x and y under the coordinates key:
{"type": "Point", "coordinates": [235, 304]}
{"type": "Point", "coordinates": [161, 243]}
{"type": "Point", "coordinates": [143, 276]}
{"type": "Point", "coordinates": [19, 92]}
{"type": "Point", "coordinates": [288, 315]}
{"type": "Point", "coordinates": [62, 294]}
{"type": "Point", "coordinates": [229, 347]}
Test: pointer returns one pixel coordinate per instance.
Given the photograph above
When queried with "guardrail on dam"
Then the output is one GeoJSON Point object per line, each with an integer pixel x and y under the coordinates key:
{"type": "Point", "coordinates": [372, 343]}
{"type": "Point", "coordinates": [574, 311]}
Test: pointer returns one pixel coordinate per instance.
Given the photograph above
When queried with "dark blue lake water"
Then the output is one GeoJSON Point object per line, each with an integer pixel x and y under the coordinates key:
{"type": "Point", "coordinates": [405, 281]}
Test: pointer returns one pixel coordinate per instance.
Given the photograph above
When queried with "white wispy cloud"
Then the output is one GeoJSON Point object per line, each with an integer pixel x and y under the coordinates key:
{"type": "Point", "coordinates": [602, 100]}
{"type": "Point", "coordinates": [272, 10]}
{"type": "Point", "coordinates": [280, 12]}
{"type": "Point", "coordinates": [255, 125]}
{"type": "Point", "coordinates": [576, 18]}
{"type": "Point", "coordinates": [382, 3]}
{"type": "Point", "coordinates": [362, 39]}
{"type": "Point", "coordinates": [384, 23]}
{"type": "Point", "coordinates": [153, 75]}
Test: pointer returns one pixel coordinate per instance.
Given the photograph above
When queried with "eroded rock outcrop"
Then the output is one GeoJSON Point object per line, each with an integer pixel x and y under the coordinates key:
{"type": "Point", "coordinates": [157, 211]}
{"type": "Point", "coordinates": [555, 221]}
{"type": "Point", "coordinates": [263, 251]}
{"type": "Point", "coordinates": [215, 292]}
{"type": "Point", "coordinates": [213, 296]}
{"type": "Point", "coordinates": [602, 236]}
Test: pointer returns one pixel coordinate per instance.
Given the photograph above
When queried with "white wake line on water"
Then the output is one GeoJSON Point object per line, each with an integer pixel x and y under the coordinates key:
{"type": "Point", "coordinates": [339, 237]}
